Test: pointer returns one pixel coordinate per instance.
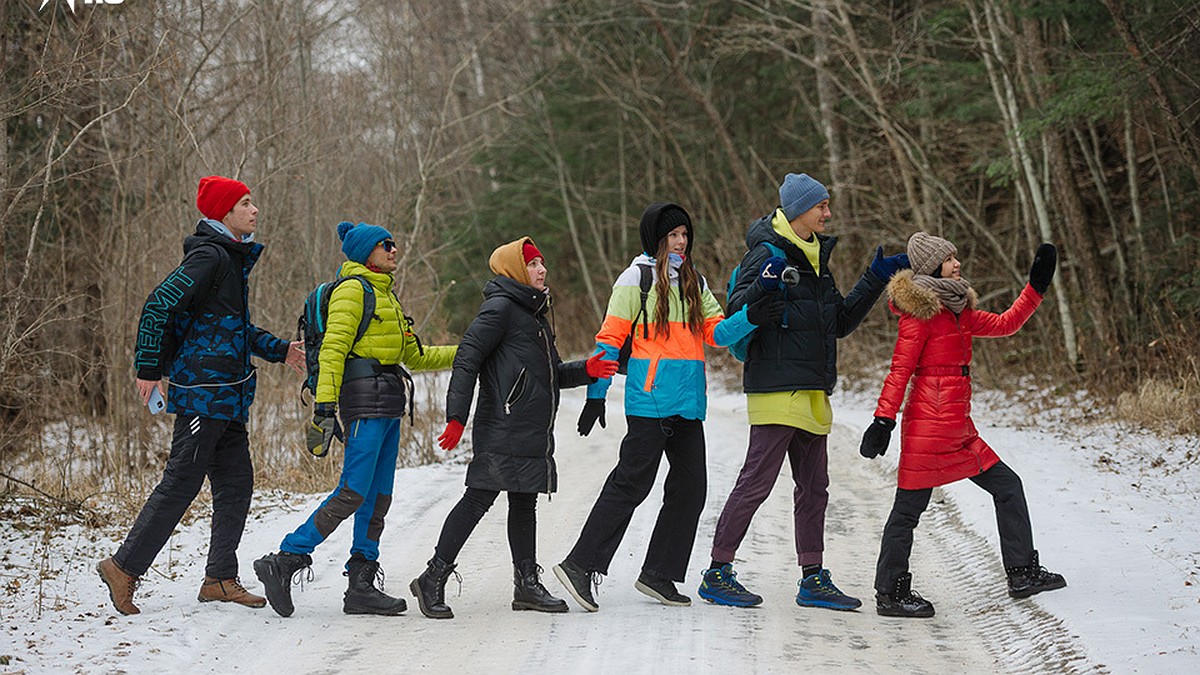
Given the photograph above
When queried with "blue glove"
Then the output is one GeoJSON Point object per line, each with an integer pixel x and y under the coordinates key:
{"type": "Point", "coordinates": [769, 273]}
{"type": "Point", "coordinates": [885, 268]}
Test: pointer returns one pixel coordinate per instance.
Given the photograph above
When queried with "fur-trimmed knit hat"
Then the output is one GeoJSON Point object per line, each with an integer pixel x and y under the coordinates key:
{"type": "Point", "coordinates": [799, 193]}
{"type": "Point", "coordinates": [926, 253]}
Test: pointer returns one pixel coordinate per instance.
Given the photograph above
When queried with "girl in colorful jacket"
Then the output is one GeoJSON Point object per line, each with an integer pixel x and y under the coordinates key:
{"type": "Point", "coordinates": [509, 348]}
{"type": "Point", "coordinates": [938, 440]}
{"type": "Point", "coordinates": [665, 403]}
{"type": "Point", "coordinates": [365, 381]}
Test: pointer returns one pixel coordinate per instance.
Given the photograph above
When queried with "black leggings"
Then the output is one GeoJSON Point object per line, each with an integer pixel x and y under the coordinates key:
{"type": "Point", "coordinates": [1012, 519]}
{"type": "Point", "coordinates": [466, 514]}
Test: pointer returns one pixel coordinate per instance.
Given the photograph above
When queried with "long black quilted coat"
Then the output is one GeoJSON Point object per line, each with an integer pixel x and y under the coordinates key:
{"type": "Point", "coordinates": [509, 348]}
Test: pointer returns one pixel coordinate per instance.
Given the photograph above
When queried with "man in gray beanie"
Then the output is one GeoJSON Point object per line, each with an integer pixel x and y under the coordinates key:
{"type": "Point", "coordinates": [790, 370]}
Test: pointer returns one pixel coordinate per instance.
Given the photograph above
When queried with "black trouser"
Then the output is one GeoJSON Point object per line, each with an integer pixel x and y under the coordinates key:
{"type": "Point", "coordinates": [629, 484]}
{"type": "Point", "coordinates": [218, 449]}
{"type": "Point", "coordinates": [1012, 519]}
{"type": "Point", "coordinates": [522, 523]}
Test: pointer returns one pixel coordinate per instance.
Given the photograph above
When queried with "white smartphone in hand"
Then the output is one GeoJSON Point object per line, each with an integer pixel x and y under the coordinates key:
{"type": "Point", "coordinates": [156, 404]}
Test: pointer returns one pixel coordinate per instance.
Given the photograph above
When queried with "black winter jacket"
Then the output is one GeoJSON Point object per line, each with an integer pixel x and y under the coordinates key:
{"type": "Point", "coordinates": [803, 355]}
{"type": "Point", "coordinates": [195, 329]}
{"type": "Point", "coordinates": [509, 348]}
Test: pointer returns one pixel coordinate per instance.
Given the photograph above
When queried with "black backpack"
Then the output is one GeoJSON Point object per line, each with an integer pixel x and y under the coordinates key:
{"type": "Point", "coordinates": [647, 278]}
{"type": "Point", "coordinates": [313, 322]}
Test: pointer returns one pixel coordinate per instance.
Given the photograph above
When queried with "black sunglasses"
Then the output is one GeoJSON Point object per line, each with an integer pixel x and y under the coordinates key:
{"type": "Point", "coordinates": [388, 245]}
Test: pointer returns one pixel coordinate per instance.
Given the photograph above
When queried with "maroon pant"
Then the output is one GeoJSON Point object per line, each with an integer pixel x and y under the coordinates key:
{"type": "Point", "coordinates": [810, 471]}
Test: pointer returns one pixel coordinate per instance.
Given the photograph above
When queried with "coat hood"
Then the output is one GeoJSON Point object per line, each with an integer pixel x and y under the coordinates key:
{"type": "Point", "coordinates": [762, 230]}
{"type": "Point", "coordinates": [509, 261]}
{"type": "Point", "coordinates": [523, 294]}
{"type": "Point", "coordinates": [207, 234]}
{"type": "Point", "coordinates": [658, 219]}
{"type": "Point", "coordinates": [380, 280]}
{"type": "Point", "coordinates": [909, 298]}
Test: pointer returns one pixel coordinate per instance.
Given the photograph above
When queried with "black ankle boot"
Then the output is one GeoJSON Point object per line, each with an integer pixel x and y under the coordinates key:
{"type": "Point", "coordinates": [276, 571]}
{"type": "Point", "coordinates": [1032, 579]}
{"type": "Point", "coordinates": [528, 591]}
{"type": "Point", "coordinates": [362, 597]}
{"type": "Point", "coordinates": [902, 601]}
{"type": "Point", "coordinates": [430, 589]}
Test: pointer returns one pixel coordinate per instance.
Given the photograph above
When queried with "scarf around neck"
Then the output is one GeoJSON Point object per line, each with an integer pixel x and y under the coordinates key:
{"type": "Point", "coordinates": [954, 293]}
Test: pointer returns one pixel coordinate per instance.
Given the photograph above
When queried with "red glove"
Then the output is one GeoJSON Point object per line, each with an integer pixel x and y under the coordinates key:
{"type": "Point", "coordinates": [451, 436]}
{"type": "Point", "coordinates": [598, 368]}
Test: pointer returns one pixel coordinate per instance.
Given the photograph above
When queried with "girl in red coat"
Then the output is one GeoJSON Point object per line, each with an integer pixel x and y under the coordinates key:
{"type": "Point", "coordinates": [938, 440]}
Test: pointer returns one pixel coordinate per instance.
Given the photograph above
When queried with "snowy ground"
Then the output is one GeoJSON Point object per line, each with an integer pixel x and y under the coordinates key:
{"type": "Point", "coordinates": [1116, 512]}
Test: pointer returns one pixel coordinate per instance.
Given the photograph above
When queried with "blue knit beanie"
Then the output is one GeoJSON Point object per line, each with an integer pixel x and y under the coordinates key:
{"type": "Point", "coordinates": [359, 240]}
{"type": "Point", "coordinates": [799, 193]}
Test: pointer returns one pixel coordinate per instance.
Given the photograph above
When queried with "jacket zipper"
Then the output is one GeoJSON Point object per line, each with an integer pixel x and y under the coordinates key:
{"type": "Point", "coordinates": [513, 395]}
{"type": "Point", "coordinates": [545, 332]}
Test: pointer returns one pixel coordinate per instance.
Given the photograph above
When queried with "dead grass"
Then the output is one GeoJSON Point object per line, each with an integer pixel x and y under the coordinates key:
{"type": "Point", "coordinates": [1161, 404]}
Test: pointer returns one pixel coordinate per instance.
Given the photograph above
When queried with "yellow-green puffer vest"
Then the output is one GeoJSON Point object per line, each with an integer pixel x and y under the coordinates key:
{"type": "Point", "coordinates": [389, 340]}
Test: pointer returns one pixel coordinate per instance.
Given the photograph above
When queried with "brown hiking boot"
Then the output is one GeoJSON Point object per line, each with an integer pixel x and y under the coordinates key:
{"type": "Point", "coordinates": [229, 590]}
{"type": "Point", "coordinates": [120, 586]}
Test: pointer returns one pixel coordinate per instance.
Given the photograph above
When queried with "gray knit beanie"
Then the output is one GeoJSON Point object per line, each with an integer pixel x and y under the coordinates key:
{"type": "Point", "coordinates": [799, 193]}
{"type": "Point", "coordinates": [926, 253]}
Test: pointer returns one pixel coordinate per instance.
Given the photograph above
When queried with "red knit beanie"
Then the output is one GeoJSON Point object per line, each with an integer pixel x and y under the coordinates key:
{"type": "Point", "coordinates": [529, 251]}
{"type": "Point", "coordinates": [217, 196]}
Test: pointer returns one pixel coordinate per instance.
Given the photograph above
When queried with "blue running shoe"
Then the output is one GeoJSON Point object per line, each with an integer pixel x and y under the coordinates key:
{"type": "Point", "coordinates": [817, 590]}
{"type": "Point", "coordinates": [720, 586]}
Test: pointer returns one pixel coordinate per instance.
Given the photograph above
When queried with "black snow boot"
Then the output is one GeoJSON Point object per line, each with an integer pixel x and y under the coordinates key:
{"type": "Point", "coordinates": [430, 589]}
{"type": "Point", "coordinates": [275, 571]}
{"type": "Point", "coordinates": [528, 591]}
{"type": "Point", "coordinates": [1032, 579]}
{"type": "Point", "coordinates": [902, 601]}
{"type": "Point", "coordinates": [362, 597]}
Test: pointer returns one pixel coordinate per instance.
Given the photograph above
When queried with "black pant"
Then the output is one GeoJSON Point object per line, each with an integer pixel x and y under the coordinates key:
{"type": "Point", "coordinates": [218, 449]}
{"type": "Point", "coordinates": [629, 484]}
{"type": "Point", "coordinates": [1012, 519]}
{"type": "Point", "coordinates": [466, 514]}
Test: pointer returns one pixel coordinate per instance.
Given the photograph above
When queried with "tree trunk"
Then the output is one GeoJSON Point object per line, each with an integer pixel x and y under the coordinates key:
{"type": "Point", "coordinates": [1086, 252]}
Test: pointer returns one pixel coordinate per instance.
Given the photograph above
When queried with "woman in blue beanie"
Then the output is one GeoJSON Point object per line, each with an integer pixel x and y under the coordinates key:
{"type": "Point", "coordinates": [364, 379]}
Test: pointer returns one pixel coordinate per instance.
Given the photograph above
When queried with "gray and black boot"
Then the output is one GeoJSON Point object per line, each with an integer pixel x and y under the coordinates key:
{"type": "Point", "coordinates": [362, 597]}
{"type": "Point", "coordinates": [1032, 579]}
{"type": "Point", "coordinates": [902, 601]}
{"type": "Point", "coordinates": [430, 589]}
{"type": "Point", "coordinates": [275, 571]}
{"type": "Point", "coordinates": [528, 591]}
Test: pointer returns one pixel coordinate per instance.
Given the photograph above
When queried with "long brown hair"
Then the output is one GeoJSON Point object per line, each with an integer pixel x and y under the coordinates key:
{"type": "Point", "coordinates": [689, 292]}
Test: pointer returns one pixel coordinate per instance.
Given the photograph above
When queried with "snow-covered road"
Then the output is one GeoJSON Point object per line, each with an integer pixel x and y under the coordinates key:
{"type": "Point", "coordinates": [955, 563]}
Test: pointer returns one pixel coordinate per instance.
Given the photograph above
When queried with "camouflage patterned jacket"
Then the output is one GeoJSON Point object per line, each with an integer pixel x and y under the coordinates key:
{"type": "Point", "coordinates": [195, 329]}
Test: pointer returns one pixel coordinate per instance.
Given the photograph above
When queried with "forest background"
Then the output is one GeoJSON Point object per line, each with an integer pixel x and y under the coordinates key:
{"type": "Point", "coordinates": [462, 124]}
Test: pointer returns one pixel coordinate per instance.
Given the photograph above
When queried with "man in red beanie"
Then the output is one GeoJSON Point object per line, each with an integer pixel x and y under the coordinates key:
{"type": "Point", "coordinates": [195, 331]}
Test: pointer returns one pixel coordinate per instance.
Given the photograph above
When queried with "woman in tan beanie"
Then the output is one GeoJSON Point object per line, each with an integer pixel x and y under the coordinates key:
{"type": "Point", "coordinates": [938, 440]}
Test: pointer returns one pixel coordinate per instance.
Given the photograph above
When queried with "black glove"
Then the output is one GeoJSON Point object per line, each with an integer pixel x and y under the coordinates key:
{"type": "Point", "coordinates": [1042, 271]}
{"type": "Point", "coordinates": [593, 410]}
{"type": "Point", "coordinates": [876, 438]}
{"type": "Point", "coordinates": [766, 310]}
{"type": "Point", "coordinates": [323, 428]}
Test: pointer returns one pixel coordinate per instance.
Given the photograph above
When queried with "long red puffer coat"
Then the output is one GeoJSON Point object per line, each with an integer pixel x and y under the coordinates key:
{"type": "Point", "coordinates": [938, 440]}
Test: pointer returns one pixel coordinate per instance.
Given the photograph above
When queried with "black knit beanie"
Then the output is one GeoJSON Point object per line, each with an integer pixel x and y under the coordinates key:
{"type": "Point", "coordinates": [658, 220]}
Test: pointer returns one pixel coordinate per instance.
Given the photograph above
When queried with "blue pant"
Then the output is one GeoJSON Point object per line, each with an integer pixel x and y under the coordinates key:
{"type": "Point", "coordinates": [364, 490]}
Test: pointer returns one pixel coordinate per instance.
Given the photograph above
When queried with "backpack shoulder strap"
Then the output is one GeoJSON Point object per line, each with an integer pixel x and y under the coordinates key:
{"type": "Point", "coordinates": [368, 305]}
{"type": "Point", "coordinates": [223, 264]}
{"type": "Point", "coordinates": [775, 250]}
{"type": "Point", "coordinates": [644, 283]}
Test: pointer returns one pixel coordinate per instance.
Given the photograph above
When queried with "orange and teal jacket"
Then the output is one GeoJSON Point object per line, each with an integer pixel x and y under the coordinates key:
{"type": "Point", "coordinates": [666, 373]}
